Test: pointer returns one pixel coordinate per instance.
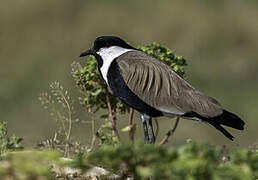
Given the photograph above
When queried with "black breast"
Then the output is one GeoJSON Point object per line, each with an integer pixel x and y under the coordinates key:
{"type": "Point", "coordinates": [121, 90]}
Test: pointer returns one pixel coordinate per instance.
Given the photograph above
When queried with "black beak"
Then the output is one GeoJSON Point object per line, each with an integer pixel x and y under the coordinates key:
{"type": "Point", "coordinates": [89, 52]}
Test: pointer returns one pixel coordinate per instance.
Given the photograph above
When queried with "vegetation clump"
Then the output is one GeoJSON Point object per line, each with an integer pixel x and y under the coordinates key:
{"type": "Point", "coordinates": [192, 161]}
{"type": "Point", "coordinates": [8, 143]}
{"type": "Point", "coordinates": [28, 165]}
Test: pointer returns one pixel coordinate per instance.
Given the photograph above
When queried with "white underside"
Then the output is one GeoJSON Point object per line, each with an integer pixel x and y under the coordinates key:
{"type": "Point", "coordinates": [108, 55]}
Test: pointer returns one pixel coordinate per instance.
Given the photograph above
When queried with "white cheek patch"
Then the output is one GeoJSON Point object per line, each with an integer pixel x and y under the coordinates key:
{"type": "Point", "coordinates": [108, 55]}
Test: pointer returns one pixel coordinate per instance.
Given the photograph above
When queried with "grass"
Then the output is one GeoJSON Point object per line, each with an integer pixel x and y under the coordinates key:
{"type": "Point", "coordinates": [193, 161]}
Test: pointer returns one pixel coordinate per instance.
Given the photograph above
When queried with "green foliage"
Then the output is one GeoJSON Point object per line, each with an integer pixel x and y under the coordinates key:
{"type": "Point", "coordinates": [104, 135]}
{"type": "Point", "coordinates": [89, 81]}
{"type": "Point", "coordinates": [8, 143]}
{"type": "Point", "coordinates": [192, 161]}
{"type": "Point", "coordinates": [167, 56]}
{"type": "Point", "coordinates": [28, 165]}
{"type": "Point", "coordinates": [247, 159]}
{"type": "Point", "coordinates": [94, 88]}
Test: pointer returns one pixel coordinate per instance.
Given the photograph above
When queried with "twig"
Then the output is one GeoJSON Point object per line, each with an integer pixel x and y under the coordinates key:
{"type": "Point", "coordinates": [67, 130]}
{"type": "Point", "coordinates": [113, 120]}
{"type": "Point", "coordinates": [62, 122]}
{"type": "Point", "coordinates": [130, 123]}
{"type": "Point", "coordinates": [169, 133]}
{"type": "Point", "coordinates": [93, 139]}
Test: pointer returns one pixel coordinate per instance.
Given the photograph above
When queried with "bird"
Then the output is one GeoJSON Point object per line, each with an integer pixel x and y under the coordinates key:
{"type": "Point", "coordinates": [154, 89]}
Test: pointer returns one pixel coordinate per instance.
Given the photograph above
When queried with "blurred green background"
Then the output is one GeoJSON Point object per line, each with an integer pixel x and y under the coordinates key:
{"type": "Point", "coordinates": [40, 39]}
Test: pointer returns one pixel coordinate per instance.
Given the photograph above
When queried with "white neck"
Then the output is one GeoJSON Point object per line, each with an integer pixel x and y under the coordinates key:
{"type": "Point", "coordinates": [108, 55]}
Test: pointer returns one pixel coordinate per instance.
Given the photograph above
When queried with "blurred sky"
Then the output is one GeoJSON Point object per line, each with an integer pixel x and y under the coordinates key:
{"type": "Point", "coordinates": [40, 39]}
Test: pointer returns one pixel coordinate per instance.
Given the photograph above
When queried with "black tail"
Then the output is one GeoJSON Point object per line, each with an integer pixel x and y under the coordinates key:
{"type": "Point", "coordinates": [226, 118]}
{"type": "Point", "coordinates": [230, 119]}
{"type": "Point", "coordinates": [222, 130]}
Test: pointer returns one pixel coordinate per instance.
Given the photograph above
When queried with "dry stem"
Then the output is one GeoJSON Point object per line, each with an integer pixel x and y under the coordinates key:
{"type": "Point", "coordinates": [112, 118]}
{"type": "Point", "coordinates": [169, 133]}
{"type": "Point", "coordinates": [130, 123]}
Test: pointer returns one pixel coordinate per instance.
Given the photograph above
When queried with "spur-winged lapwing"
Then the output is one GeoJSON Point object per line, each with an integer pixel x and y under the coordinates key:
{"type": "Point", "coordinates": [154, 89]}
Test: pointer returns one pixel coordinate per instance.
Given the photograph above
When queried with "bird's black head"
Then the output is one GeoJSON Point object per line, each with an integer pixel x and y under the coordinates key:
{"type": "Point", "coordinates": [106, 42]}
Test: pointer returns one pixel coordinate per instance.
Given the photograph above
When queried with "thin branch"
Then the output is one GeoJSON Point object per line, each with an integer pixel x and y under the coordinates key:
{"type": "Point", "coordinates": [113, 120]}
{"type": "Point", "coordinates": [62, 122]}
{"type": "Point", "coordinates": [130, 123]}
{"type": "Point", "coordinates": [93, 139]}
{"type": "Point", "coordinates": [169, 133]}
{"type": "Point", "coordinates": [68, 133]}
{"type": "Point", "coordinates": [69, 115]}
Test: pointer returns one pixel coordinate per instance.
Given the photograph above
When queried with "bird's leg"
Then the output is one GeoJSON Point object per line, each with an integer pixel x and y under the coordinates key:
{"type": "Point", "coordinates": [145, 128]}
{"type": "Point", "coordinates": [152, 136]}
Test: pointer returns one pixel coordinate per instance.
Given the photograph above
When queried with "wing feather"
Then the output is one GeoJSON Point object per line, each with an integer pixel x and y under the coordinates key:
{"type": "Point", "coordinates": [159, 86]}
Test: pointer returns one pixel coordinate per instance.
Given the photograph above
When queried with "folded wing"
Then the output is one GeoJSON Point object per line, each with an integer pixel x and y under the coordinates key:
{"type": "Point", "coordinates": [159, 86]}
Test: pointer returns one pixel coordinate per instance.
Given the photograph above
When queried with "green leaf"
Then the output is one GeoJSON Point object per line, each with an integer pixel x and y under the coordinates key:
{"type": "Point", "coordinates": [129, 128]}
{"type": "Point", "coordinates": [144, 172]}
{"type": "Point", "coordinates": [97, 92]}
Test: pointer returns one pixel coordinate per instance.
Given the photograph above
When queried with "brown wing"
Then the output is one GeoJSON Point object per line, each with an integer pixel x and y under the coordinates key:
{"type": "Point", "coordinates": [159, 86]}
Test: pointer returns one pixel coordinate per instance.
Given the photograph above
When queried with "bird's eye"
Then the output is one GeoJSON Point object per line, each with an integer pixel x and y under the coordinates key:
{"type": "Point", "coordinates": [108, 45]}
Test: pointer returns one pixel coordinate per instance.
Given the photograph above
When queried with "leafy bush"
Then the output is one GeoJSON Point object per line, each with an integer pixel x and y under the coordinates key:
{"type": "Point", "coordinates": [8, 143]}
{"type": "Point", "coordinates": [28, 165]}
{"type": "Point", "coordinates": [192, 161]}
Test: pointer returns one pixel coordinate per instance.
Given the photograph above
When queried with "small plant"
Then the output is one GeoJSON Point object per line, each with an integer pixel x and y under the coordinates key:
{"type": "Point", "coordinates": [60, 107]}
{"type": "Point", "coordinates": [96, 94]}
{"type": "Point", "coordinates": [190, 161]}
{"type": "Point", "coordinates": [29, 165]}
{"type": "Point", "coordinates": [8, 143]}
{"type": "Point", "coordinates": [104, 135]}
